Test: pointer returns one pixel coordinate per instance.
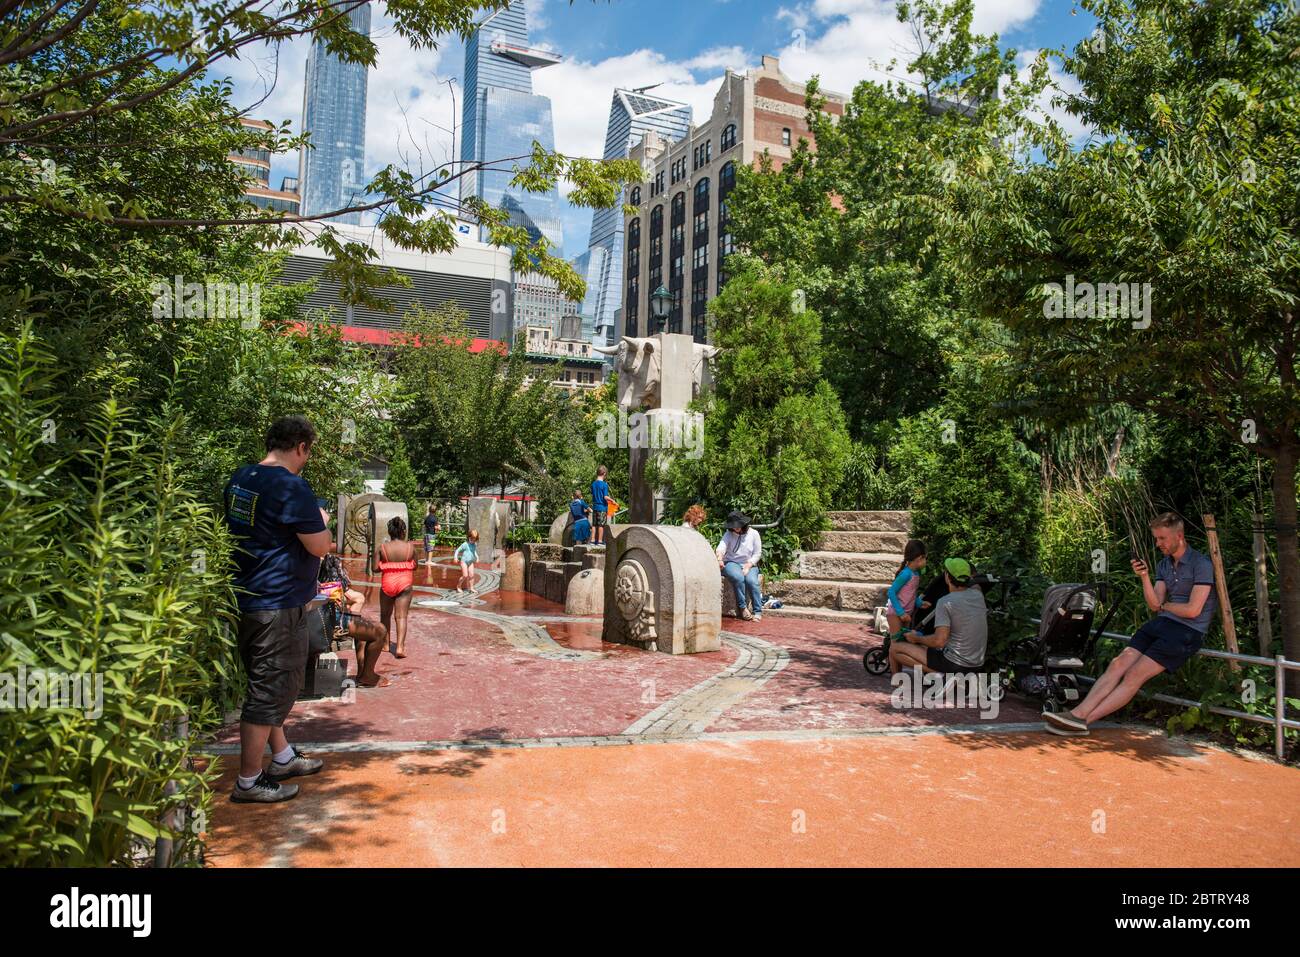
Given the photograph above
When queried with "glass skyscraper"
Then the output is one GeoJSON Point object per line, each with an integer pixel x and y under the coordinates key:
{"type": "Point", "coordinates": [331, 174]}
{"type": "Point", "coordinates": [631, 114]}
{"type": "Point", "coordinates": [502, 117]}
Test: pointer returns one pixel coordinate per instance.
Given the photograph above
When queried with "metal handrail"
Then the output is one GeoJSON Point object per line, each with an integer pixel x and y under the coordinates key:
{"type": "Point", "coordinates": [1280, 666]}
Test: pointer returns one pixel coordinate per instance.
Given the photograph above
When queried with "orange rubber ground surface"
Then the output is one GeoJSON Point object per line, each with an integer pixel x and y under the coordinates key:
{"type": "Point", "coordinates": [1009, 798]}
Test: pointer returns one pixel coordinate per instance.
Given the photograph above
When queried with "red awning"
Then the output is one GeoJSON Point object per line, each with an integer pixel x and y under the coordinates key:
{"type": "Point", "coordinates": [384, 337]}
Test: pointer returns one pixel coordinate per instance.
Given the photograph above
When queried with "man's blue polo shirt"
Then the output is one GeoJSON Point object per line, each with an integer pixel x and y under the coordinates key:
{"type": "Point", "coordinates": [1180, 577]}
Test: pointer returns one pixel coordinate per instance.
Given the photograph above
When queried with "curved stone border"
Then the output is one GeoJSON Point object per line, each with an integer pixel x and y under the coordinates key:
{"type": "Point", "coordinates": [526, 636]}
{"type": "Point", "coordinates": [689, 713]}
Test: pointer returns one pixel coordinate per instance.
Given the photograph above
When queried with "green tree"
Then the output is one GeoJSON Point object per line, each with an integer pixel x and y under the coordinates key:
{"type": "Point", "coordinates": [473, 406]}
{"type": "Point", "coordinates": [1188, 191]}
{"type": "Point", "coordinates": [400, 485]}
{"type": "Point", "coordinates": [76, 74]}
{"type": "Point", "coordinates": [774, 433]}
{"type": "Point", "coordinates": [856, 223]}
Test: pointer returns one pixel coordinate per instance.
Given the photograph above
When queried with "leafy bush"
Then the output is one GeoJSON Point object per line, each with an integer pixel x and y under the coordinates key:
{"type": "Point", "coordinates": [400, 485]}
{"type": "Point", "coordinates": [867, 485]}
{"type": "Point", "coordinates": [977, 495]}
{"type": "Point", "coordinates": [113, 570]}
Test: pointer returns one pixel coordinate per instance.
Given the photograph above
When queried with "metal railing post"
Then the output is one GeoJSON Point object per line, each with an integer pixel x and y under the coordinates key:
{"type": "Point", "coordinates": [1279, 706]}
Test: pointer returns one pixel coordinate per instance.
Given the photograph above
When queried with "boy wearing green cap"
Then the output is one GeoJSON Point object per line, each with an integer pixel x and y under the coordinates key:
{"type": "Point", "coordinates": [961, 628]}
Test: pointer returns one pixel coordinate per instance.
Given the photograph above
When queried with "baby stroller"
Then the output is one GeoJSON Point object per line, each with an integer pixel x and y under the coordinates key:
{"type": "Point", "coordinates": [1049, 666]}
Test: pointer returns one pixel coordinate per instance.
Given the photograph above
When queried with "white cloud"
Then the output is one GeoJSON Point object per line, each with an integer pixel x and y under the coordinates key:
{"type": "Point", "coordinates": [846, 41]}
{"type": "Point", "coordinates": [581, 92]}
{"type": "Point", "coordinates": [1059, 83]}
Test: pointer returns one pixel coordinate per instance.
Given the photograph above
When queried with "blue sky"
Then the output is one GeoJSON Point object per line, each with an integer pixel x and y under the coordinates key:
{"type": "Point", "coordinates": [625, 42]}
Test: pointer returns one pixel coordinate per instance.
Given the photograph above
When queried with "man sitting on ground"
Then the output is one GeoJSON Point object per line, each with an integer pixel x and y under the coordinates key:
{"type": "Point", "coordinates": [1183, 599]}
{"type": "Point", "coordinates": [961, 629]}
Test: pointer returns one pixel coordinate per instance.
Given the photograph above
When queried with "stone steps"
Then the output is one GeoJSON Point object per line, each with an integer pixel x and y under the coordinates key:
{"type": "Point", "coordinates": [870, 521]}
{"type": "Point", "coordinates": [872, 567]}
{"type": "Point", "coordinates": [866, 619]}
{"type": "Point", "coordinates": [891, 542]}
{"type": "Point", "coordinates": [846, 577]}
{"type": "Point", "coordinates": [816, 593]}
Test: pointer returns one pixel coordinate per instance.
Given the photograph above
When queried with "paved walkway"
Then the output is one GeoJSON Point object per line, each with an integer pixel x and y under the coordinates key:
{"type": "Point", "coordinates": [512, 735]}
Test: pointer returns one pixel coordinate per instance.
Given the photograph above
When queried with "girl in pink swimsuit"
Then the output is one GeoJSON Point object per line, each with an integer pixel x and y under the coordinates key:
{"type": "Point", "coordinates": [397, 568]}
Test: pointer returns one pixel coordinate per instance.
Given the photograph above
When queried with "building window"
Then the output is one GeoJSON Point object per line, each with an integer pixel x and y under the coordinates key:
{"type": "Point", "coordinates": [702, 194]}
{"type": "Point", "coordinates": [728, 138]}
{"type": "Point", "coordinates": [635, 198]}
{"type": "Point", "coordinates": [701, 258]}
{"type": "Point", "coordinates": [634, 233]}
{"type": "Point", "coordinates": [785, 136]}
{"type": "Point", "coordinates": [699, 296]}
{"type": "Point", "coordinates": [726, 180]}
{"type": "Point", "coordinates": [701, 222]}
{"type": "Point", "coordinates": [656, 248]}
{"type": "Point", "coordinates": [678, 234]}
{"type": "Point", "coordinates": [634, 261]}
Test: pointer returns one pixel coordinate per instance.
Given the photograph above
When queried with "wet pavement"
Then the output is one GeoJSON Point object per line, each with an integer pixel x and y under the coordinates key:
{"type": "Point", "coordinates": [512, 735]}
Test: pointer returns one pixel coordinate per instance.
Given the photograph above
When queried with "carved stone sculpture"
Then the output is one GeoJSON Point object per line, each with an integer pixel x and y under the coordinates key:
{"type": "Point", "coordinates": [492, 520]}
{"type": "Point", "coordinates": [640, 369]}
{"type": "Point", "coordinates": [661, 590]}
{"type": "Point", "coordinates": [381, 512]}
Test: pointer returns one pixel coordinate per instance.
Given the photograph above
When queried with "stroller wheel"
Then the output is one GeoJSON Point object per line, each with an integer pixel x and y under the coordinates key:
{"type": "Point", "coordinates": [998, 687]}
{"type": "Point", "coordinates": [876, 661]}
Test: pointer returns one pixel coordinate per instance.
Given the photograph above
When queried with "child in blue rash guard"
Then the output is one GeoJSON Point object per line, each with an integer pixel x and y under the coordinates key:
{"type": "Point", "coordinates": [904, 595]}
{"type": "Point", "coordinates": [581, 525]}
{"type": "Point", "coordinates": [467, 555]}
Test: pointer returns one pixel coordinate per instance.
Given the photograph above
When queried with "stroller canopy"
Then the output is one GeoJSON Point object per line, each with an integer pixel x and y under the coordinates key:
{"type": "Point", "coordinates": [1058, 598]}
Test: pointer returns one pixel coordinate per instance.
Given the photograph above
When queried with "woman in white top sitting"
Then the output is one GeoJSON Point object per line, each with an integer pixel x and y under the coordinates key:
{"type": "Point", "coordinates": [739, 553]}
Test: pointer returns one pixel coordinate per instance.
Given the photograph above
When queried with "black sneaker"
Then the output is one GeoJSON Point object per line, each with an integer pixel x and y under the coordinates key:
{"type": "Point", "coordinates": [1065, 721]}
{"type": "Point", "coordinates": [265, 790]}
{"type": "Point", "coordinates": [297, 766]}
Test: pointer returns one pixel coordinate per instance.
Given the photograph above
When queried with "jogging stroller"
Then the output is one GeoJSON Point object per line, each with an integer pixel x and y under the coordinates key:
{"type": "Point", "coordinates": [1049, 666]}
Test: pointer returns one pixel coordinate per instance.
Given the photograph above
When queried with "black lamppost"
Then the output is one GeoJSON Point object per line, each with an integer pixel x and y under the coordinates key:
{"type": "Point", "coordinates": [661, 301]}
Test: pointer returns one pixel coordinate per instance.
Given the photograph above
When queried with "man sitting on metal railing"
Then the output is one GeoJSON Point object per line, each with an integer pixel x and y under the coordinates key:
{"type": "Point", "coordinates": [1183, 599]}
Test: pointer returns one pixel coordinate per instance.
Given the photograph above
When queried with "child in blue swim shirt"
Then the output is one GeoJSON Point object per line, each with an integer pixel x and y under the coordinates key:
{"type": "Point", "coordinates": [904, 595]}
{"type": "Point", "coordinates": [581, 524]}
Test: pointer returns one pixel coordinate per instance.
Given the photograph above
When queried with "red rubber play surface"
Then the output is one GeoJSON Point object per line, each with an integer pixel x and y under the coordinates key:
{"type": "Point", "coordinates": [512, 735]}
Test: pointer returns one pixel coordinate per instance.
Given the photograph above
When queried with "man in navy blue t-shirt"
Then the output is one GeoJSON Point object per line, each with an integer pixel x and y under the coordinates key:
{"type": "Point", "coordinates": [280, 537]}
{"type": "Point", "coordinates": [1183, 599]}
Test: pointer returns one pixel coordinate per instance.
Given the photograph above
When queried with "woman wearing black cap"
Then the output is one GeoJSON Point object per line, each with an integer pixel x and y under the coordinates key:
{"type": "Point", "coordinates": [739, 553]}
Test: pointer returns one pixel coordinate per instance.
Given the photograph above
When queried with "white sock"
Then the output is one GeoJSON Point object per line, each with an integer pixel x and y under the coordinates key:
{"type": "Point", "coordinates": [247, 783]}
{"type": "Point", "coordinates": [285, 756]}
